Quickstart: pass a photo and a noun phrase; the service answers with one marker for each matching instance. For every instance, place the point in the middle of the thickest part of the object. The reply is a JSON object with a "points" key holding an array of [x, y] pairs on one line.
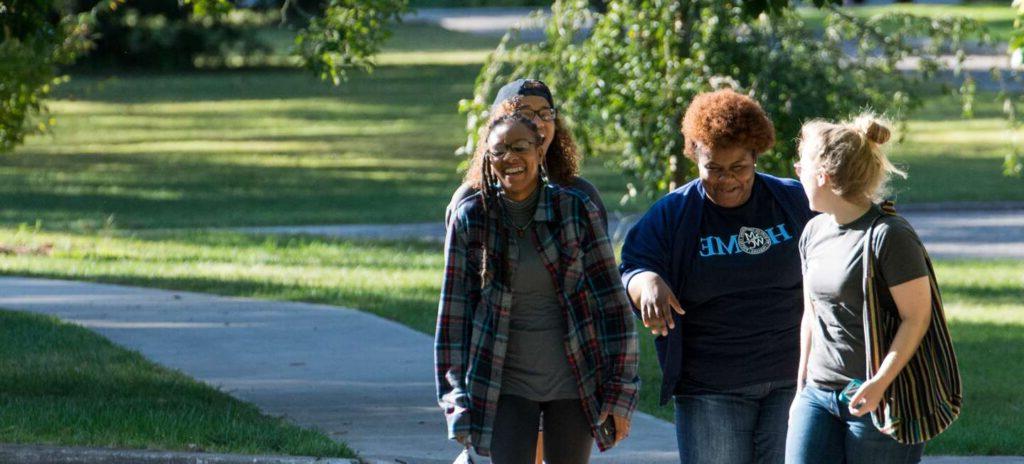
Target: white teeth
{"points": [[514, 171]]}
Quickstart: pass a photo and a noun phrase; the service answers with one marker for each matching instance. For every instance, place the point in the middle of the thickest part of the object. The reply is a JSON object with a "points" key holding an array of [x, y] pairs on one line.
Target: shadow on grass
{"points": [[984, 295], [944, 176], [404, 86], [146, 192], [382, 152]]}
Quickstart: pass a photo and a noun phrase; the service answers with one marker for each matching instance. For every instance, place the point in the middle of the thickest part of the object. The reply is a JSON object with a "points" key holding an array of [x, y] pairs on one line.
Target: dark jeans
{"points": [[734, 426], [567, 437], [822, 430]]}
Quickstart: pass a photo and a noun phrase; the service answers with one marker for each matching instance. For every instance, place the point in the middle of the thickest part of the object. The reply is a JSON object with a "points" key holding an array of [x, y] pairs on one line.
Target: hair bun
{"points": [[877, 133], [874, 129]]}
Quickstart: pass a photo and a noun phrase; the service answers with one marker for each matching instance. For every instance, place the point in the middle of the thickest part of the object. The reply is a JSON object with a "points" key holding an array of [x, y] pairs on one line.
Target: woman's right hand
{"points": [[657, 303], [462, 438]]}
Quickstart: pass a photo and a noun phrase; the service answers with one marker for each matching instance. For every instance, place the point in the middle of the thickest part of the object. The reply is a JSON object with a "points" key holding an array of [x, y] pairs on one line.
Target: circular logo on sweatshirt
{"points": [[753, 241]]}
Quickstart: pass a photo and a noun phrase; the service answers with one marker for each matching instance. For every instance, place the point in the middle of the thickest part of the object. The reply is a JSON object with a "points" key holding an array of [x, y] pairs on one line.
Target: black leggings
{"points": [[567, 437]]}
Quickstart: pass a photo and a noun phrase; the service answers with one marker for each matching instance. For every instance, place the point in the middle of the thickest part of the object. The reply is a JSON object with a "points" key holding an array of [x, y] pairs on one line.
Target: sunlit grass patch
{"points": [[65, 385]]}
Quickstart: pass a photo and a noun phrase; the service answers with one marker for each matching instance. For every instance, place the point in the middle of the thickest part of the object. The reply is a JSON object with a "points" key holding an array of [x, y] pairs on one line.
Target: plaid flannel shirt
{"points": [[473, 322]]}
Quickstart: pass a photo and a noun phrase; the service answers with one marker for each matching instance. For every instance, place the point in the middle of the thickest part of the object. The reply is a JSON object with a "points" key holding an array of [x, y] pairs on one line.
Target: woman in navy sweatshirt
{"points": [[714, 271]]}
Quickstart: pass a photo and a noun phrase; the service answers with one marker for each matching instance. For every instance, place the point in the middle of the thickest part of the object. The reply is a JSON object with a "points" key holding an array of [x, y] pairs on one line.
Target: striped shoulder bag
{"points": [[926, 396]]}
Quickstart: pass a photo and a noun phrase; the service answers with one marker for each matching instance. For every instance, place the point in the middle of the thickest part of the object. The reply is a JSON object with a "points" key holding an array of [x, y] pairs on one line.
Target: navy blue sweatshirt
{"points": [[736, 272]]}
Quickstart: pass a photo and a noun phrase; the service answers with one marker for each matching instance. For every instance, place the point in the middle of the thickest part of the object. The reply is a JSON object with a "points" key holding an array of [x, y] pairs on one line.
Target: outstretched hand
{"points": [[657, 302]]}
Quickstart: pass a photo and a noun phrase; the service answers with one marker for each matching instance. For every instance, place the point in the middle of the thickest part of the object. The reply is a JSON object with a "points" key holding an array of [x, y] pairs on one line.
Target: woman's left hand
{"points": [[867, 398]]}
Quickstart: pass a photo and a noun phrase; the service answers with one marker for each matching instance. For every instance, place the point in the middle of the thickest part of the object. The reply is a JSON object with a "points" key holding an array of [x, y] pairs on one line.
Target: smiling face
{"points": [[727, 175], [536, 105], [518, 169]]}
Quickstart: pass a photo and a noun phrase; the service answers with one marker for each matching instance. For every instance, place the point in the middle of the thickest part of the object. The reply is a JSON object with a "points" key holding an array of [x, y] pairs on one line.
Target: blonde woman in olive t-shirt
{"points": [[842, 168]]}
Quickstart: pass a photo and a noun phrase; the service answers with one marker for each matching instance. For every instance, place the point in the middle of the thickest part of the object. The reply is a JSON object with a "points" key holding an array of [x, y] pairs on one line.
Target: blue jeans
{"points": [[822, 430], [735, 426]]}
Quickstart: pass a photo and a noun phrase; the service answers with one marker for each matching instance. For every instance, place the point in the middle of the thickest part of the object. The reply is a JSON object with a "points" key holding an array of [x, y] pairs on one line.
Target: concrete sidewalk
{"points": [[947, 232], [359, 378]]}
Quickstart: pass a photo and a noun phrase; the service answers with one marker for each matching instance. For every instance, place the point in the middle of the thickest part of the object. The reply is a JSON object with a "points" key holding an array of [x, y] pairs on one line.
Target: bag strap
{"points": [[873, 319], [870, 314], [918, 407]]}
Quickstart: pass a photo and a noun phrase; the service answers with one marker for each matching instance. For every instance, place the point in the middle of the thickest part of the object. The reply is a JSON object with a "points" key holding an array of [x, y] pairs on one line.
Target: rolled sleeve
{"points": [[646, 248]]}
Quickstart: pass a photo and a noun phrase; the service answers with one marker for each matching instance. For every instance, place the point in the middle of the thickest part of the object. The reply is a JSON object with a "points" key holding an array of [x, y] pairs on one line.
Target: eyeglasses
{"points": [[546, 114], [519, 149]]}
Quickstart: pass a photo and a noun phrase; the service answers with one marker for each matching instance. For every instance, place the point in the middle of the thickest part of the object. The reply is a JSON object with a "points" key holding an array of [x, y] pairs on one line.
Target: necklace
{"points": [[521, 231]]}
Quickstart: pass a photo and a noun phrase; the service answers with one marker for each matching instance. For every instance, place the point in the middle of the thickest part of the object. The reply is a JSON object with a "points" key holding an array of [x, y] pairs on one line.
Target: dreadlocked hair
{"points": [[490, 186], [562, 160]]}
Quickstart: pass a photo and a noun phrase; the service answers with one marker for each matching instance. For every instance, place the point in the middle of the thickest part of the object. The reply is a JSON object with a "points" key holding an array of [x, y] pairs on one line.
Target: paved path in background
{"points": [[948, 233], [357, 377], [496, 21]]}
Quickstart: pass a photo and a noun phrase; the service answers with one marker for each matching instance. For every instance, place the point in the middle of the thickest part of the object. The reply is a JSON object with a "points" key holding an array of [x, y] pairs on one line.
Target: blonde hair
{"points": [[851, 154]]}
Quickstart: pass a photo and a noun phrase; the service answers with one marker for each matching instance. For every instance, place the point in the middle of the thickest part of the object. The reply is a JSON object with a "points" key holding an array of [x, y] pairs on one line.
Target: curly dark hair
{"points": [[725, 119], [562, 160]]}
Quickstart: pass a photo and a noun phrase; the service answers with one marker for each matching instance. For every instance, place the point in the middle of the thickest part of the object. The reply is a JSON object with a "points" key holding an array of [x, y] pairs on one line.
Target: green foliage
{"points": [[39, 36], [627, 85], [160, 34], [475, 3], [348, 34], [37, 39], [1013, 165]]}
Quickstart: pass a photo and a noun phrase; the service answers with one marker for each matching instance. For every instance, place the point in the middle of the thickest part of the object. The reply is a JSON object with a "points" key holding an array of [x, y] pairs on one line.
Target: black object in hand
{"points": [[607, 430]]}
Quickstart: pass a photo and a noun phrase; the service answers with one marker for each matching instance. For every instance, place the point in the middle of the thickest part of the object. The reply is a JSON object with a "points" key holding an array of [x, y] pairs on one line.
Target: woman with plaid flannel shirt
{"points": [[533, 317]]}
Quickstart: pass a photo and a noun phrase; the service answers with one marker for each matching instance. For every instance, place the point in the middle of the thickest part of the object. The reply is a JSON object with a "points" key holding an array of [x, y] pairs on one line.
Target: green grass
{"points": [[996, 16], [133, 154], [65, 385], [401, 281], [264, 147]]}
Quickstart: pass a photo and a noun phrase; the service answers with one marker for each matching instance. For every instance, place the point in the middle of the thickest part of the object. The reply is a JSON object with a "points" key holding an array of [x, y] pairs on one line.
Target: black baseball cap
{"points": [[523, 87]]}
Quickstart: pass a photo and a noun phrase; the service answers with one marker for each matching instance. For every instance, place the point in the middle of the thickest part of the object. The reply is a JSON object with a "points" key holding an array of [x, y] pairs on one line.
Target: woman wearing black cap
{"points": [[532, 99]]}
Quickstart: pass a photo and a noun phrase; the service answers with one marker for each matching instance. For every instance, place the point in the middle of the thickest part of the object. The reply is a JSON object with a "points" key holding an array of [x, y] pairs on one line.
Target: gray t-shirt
{"points": [[833, 277], [536, 366]]}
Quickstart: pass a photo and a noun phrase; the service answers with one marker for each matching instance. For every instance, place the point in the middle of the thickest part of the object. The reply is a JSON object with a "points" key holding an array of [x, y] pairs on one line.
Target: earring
{"points": [[544, 175]]}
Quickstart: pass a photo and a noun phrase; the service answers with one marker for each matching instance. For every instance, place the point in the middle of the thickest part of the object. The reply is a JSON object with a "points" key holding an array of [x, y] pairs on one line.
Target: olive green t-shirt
{"points": [[833, 277]]}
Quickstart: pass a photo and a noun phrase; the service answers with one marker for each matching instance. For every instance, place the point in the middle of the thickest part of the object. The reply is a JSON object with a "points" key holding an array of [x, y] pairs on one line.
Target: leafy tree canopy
{"points": [[626, 85]]}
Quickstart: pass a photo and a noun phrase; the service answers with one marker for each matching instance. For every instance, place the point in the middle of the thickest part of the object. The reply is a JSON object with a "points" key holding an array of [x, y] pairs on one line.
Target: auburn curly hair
{"points": [[562, 160], [725, 119]]}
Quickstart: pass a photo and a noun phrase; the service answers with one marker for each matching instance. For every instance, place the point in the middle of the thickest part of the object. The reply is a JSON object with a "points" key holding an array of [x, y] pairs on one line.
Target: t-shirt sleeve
{"points": [[802, 245], [901, 256], [647, 247]]}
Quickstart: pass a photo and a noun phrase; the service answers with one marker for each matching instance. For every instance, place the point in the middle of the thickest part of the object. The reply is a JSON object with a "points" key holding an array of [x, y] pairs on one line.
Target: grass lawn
{"points": [[401, 281], [996, 16], [63, 384], [279, 147], [135, 155]]}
